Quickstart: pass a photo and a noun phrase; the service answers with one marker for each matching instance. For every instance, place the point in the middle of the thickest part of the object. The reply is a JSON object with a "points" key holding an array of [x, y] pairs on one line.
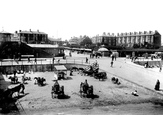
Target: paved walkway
{"points": [[137, 74]]}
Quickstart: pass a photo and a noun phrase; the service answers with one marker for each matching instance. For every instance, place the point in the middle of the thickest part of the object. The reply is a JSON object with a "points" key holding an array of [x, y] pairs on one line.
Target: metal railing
{"points": [[148, 59], [42, 61]]}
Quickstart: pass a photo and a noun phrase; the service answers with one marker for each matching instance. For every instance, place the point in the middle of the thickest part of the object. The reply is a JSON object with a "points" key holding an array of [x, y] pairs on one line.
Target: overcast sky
{"points": [[68, 18]]}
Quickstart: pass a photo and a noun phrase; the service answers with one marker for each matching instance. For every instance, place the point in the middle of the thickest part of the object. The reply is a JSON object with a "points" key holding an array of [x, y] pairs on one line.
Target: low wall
{"points": [[150, 63], [36, 68]]}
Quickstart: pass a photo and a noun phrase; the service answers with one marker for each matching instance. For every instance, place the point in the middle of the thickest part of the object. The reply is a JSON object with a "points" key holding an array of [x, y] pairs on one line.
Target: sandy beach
{"points": [[109, 96]]}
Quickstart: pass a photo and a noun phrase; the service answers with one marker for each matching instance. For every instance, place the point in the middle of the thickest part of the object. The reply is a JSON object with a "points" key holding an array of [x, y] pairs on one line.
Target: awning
{"points": [[103, 49], [88, 49], [60, 68]]}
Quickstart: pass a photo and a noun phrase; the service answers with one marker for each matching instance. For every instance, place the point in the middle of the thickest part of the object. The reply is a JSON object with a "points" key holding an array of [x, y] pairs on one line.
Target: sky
{"points": [[68, 18]]}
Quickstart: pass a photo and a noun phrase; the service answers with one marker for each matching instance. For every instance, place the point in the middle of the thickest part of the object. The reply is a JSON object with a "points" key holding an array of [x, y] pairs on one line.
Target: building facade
{"points": [[105, 39], [55, 41], [5, 36], [109, 39], [139, 39], [130, 40], [74, 41], [96, 39], [32, 37]]}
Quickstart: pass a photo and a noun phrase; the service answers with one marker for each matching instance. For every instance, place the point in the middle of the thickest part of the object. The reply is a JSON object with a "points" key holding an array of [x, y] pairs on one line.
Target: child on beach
{"points": [[111, 64]]}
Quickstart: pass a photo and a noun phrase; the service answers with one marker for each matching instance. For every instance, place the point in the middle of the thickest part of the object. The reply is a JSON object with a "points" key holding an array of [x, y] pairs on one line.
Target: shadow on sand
{"points": [[92, 96], [67, 78], [63, 97]]}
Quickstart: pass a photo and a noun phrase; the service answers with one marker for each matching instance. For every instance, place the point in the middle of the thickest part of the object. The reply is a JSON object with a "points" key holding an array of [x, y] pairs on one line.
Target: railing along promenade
{"points": [[41, 61]]}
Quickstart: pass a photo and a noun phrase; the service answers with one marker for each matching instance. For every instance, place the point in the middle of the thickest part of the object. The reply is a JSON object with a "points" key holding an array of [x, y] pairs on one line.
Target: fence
{"points": [[41, 62]]}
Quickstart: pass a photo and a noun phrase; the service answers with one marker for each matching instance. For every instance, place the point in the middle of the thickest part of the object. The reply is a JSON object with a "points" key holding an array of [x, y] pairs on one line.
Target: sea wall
{"points": [[36, 68]]}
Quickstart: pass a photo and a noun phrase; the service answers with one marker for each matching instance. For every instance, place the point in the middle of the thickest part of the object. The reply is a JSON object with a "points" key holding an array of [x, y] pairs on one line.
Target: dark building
{"points": [[108, 40], [34, 43]]}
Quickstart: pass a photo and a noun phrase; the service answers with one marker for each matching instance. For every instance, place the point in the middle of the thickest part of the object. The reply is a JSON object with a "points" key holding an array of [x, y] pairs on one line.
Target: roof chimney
{"points": [[156, 31], [104, 34]]}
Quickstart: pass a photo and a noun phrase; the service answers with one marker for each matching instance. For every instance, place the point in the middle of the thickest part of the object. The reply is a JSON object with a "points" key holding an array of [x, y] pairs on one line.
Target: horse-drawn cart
{"points": [[86, 90], [57, 90]]}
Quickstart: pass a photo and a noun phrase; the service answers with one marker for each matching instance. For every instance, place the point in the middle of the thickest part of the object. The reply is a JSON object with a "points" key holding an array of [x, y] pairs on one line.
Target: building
{"points": [[74, 41], [40, 41], [55, 41], [5, 36], [139, 39], [32, 37], [34, 43], [105, 39], [109, 40], [96, 39]]}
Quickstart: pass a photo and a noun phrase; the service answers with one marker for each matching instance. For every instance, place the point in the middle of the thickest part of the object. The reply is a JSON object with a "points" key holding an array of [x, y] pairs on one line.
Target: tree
{"points": [[86, 41]]}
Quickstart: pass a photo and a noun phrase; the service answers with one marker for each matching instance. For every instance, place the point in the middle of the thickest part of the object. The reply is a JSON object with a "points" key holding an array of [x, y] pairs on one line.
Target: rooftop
{"points": [[43, 46], [4, 32], [31, 32]]}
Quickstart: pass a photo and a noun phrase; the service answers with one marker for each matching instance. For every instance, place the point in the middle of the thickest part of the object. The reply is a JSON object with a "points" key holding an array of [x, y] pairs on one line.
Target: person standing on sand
{"points": [[71, 71], [160, 69], [111, 64], [157, 86]]}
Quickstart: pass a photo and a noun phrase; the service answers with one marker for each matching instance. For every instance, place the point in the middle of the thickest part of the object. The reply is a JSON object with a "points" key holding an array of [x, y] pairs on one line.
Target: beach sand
{"points": [[109, 96]]}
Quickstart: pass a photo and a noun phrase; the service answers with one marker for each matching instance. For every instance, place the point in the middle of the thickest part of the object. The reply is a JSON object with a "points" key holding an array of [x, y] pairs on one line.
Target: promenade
{"points": [[124, 68]]}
